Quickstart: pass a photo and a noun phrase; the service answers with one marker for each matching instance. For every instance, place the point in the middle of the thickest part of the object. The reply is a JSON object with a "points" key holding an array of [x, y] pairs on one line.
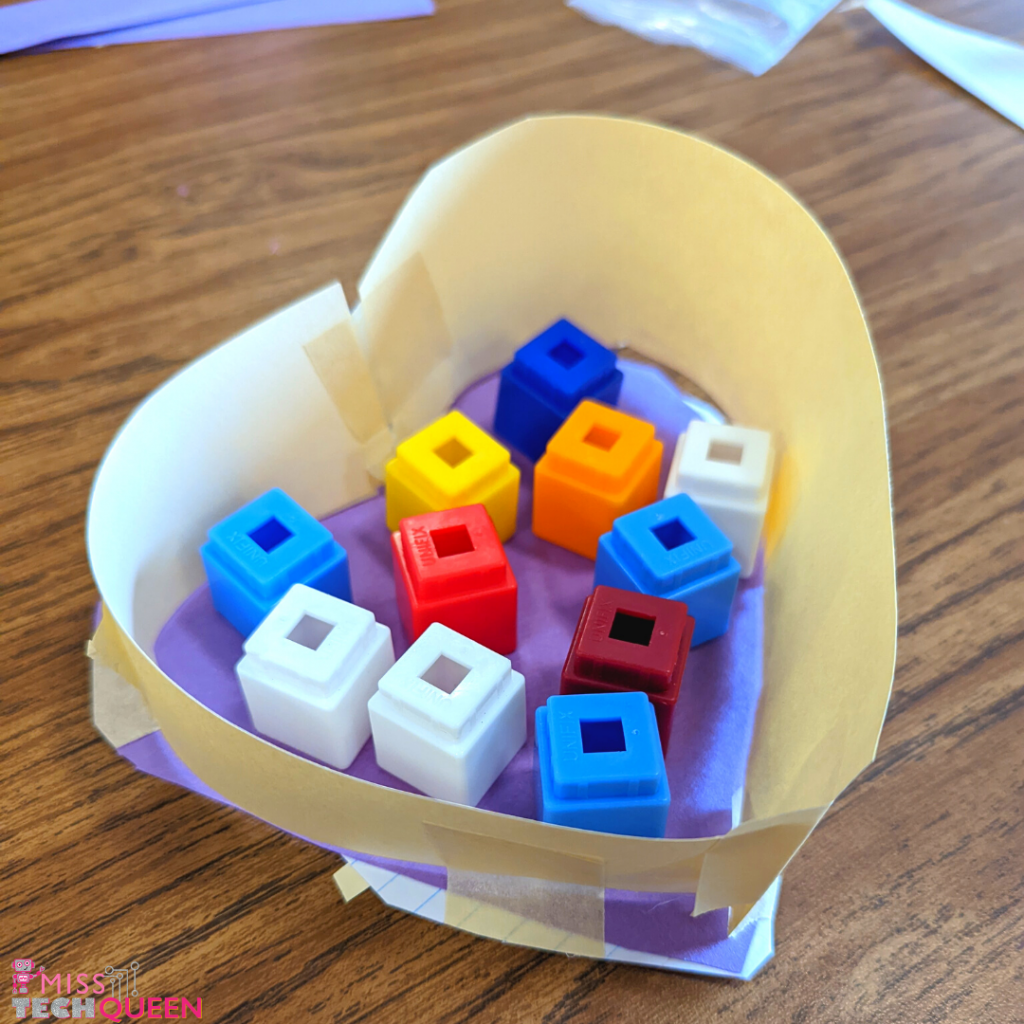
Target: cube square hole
{"points": [[445, 674], [633, 629], [272, 534], [451, 540], [601, 437], [602, 736], [723, 451], [453, 452], [310, 632], [566, 355], [672, 534]]}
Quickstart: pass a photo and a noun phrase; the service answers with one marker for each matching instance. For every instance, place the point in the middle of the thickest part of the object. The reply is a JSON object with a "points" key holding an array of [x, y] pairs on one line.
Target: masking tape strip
{"points": [[432, 904], [432, 399], [558, 906], [491, 922], [742, 865], [349, 882], [119, 710], [469, 851], [339, 363], [380, 393], [407, 346]]}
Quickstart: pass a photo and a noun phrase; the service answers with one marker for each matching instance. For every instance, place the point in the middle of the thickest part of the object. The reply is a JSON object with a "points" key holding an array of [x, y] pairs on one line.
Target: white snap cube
{"points": [[309, 671], [449, 716], [727, 471]]}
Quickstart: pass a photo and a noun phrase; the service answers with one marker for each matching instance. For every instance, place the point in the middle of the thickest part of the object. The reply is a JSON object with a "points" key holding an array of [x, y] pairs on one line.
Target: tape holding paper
{"points": [[415, 381], [383, 395], [586, 218], [339, 363], [119, 711], [527, 911], [349, 882]]}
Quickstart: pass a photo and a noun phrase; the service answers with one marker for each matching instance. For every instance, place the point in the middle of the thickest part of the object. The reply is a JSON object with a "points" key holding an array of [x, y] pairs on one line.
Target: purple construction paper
{"points": [[42, 21], [268, 16], [714, 720], [663, 923]]}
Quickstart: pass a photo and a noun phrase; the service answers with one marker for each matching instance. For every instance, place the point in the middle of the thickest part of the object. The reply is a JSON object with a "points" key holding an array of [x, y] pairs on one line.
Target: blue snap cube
{"points": [[672, 549], [546, 380], [600, 765], [255, 556]]}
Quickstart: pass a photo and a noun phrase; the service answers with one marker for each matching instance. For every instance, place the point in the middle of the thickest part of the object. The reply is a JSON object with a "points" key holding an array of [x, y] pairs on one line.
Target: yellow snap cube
{"points": [[449, 464]]}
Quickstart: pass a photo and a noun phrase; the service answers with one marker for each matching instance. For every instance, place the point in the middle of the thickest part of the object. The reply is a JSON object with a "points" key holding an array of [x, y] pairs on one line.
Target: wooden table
{"points": [[156, 199]]}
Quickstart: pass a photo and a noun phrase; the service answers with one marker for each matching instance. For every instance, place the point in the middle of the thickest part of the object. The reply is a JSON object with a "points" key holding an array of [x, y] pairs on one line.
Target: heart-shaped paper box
{"points": [[643, 235]]}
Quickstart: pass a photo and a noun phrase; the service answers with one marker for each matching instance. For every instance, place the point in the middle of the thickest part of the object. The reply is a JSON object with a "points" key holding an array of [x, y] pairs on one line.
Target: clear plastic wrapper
{"points": [[751, 34]]}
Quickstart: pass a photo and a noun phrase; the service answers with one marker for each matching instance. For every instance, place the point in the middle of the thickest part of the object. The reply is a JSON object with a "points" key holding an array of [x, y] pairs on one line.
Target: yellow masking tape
{"points": [[571, 909], [491, 922], [342, 368], [741, 866], [407, 347], [349, 882], [471, 851]]}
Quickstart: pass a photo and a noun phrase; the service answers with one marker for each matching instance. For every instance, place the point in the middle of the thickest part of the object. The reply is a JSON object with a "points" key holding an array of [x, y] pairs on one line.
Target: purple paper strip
{"points": [[268, 16], [713, 725], [42, 21]]}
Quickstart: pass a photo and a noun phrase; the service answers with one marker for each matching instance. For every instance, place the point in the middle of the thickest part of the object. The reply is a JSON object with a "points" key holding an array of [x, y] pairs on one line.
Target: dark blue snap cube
{"points": [[600, 765], [256, 555], [672, 549], [546, 380]]}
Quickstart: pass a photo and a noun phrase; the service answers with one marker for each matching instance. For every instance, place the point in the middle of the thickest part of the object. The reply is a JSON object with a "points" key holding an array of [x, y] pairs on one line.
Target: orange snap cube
{"points": [[599, 465]]}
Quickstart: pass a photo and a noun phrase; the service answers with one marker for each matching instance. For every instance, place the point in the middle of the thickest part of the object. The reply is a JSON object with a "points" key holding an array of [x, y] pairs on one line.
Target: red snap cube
{"points": [[629, 641], [450, 567]]}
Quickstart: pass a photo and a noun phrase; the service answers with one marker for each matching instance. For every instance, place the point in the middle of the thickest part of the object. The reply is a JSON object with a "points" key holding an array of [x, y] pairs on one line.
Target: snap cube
{"points": [[309, 670], [599, 465], [727, 470], [600, 765], [546, 380], [450, 567], [450, 463], [628, 641], [255, 555], [448, 716], [672, 549]]}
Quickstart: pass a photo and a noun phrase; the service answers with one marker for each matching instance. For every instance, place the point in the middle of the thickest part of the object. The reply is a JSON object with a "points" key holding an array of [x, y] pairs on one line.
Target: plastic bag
{"points": [[751, 34]]}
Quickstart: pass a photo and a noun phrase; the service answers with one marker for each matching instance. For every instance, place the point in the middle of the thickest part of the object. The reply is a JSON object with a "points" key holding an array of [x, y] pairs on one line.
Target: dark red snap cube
{"points": [[450, 567], [629, 641]]}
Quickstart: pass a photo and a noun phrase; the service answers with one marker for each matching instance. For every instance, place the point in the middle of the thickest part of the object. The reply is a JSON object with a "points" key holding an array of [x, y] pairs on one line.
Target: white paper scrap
{"points": [[987, 66]]}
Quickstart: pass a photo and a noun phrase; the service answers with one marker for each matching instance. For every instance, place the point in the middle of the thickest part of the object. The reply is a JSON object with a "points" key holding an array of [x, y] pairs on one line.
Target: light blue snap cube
{"points": [[600, 765], [256, 555], [672, 549], [546, 380]]}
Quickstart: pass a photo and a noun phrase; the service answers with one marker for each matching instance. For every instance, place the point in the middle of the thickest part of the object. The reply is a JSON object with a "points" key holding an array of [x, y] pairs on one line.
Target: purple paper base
{"points": [[713, 723], [35, 22], [270, 16]]}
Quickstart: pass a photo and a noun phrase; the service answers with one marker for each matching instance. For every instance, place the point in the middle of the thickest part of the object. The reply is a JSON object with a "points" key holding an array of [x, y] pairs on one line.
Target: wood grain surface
{"points": [[158, 198]]}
